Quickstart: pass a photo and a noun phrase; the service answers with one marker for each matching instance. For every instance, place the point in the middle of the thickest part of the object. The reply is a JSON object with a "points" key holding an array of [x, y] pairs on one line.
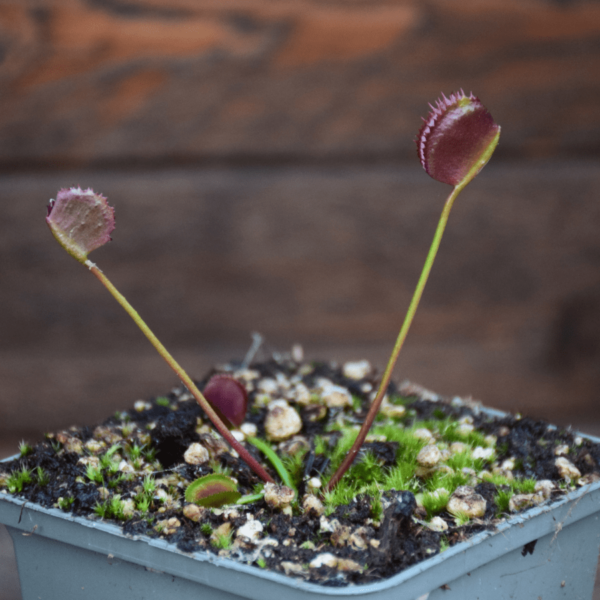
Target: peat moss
{"points": [[131, 470]]}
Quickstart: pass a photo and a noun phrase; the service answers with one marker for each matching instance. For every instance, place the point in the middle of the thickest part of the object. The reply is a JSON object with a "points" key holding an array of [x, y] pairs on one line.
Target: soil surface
{"points": [[131, 469]]}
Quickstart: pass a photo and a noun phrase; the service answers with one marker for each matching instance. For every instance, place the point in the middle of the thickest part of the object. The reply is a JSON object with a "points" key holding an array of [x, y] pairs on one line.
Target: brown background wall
{"points": [[260, 156]]}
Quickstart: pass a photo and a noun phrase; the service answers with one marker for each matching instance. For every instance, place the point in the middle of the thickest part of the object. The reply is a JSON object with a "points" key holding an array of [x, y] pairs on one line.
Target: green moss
{"points": [[127, 430], [320, 444], [464, 460], [438, 413], [401, 477], [114, 482], [502, 449], [523, 486], [24, 449], [162, 401], [294, 465], [133, 451], [341, 494], [345, 494], [102, 510], [143, 504], [220, 468], [149, 453], [343, 446], [409, 445], [17, 480], [43, 478], [461, 519], [108, 462], [111, 509], [222, 541], [94, 473], [376, 508], [502, 499], [366, 469], [375, 478], [65, 503], [435, 502], [149, 485], [400, 400]]}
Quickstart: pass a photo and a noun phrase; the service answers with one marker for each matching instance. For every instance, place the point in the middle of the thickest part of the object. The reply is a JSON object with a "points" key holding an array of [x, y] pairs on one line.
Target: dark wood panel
{"points": [[88, 81], [303, 253]]}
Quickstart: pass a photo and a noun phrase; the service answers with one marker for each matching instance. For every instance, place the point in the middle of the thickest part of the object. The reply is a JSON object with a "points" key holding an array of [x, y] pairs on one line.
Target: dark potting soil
{"points": [[99, 472]]}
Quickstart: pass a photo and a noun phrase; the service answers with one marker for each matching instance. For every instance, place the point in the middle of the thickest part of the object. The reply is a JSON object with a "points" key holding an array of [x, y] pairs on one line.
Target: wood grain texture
{"points": [[112, 81]]}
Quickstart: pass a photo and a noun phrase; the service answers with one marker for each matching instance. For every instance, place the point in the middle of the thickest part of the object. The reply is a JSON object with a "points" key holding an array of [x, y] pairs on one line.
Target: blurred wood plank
{"points": [[107, 81], [303, 253]]}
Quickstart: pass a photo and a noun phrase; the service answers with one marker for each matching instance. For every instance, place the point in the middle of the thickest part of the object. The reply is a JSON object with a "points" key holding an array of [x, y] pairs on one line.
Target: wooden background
{"points": [[261, 159], [260, 156]]}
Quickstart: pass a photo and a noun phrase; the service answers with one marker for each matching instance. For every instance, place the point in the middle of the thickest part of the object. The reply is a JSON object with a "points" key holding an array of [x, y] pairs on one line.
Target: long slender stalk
{"points": [[185, 378], [408, 319]]}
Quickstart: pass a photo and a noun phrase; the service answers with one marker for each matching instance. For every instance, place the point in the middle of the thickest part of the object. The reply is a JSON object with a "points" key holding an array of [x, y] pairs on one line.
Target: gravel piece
{"points": [[437, 524], [567, 469], [429, 456], [196, 454], [465, 500], [520, 501], [250, 532], [278, 496], [311, 503], [336, 396], [282, 421], [356, 370]]}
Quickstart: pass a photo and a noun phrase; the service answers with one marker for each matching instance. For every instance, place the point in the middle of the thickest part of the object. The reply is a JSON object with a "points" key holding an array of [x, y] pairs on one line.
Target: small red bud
{"points": [[228, 397], [457, 138]]}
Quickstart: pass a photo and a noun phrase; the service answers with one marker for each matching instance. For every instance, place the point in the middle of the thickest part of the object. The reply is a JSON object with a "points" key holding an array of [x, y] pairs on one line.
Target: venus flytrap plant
{"points": [[82, 221], [455, 142]]}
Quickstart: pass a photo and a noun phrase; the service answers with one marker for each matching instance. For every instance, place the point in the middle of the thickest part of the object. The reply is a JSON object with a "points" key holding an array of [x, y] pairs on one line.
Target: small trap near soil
{"points": [[433, 472]]}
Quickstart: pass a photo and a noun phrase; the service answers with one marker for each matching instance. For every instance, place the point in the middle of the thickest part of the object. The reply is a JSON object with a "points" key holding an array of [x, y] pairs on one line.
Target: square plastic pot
{"points": [[548, 552]]}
